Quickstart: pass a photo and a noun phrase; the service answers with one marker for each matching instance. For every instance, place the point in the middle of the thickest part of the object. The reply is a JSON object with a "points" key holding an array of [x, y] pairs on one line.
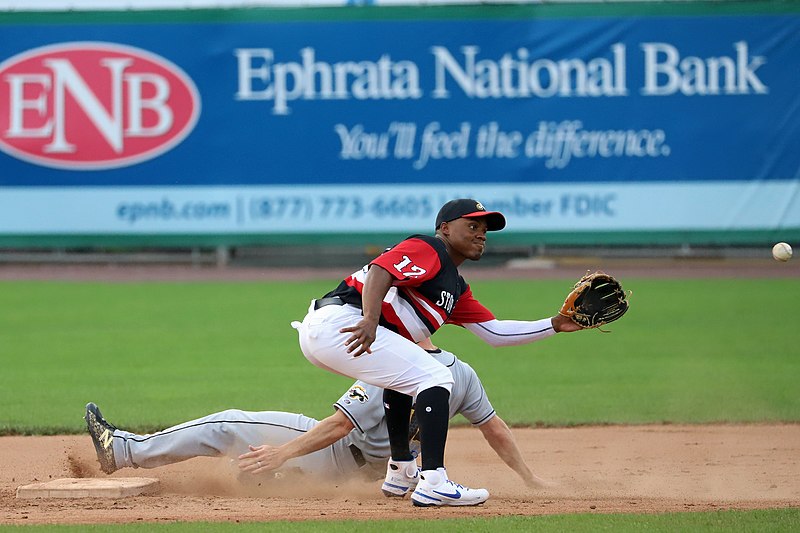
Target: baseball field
{"points": [[685, 416]]}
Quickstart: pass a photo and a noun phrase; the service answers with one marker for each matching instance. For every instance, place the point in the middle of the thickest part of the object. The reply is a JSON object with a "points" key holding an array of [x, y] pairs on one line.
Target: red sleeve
{"points": [[411, 262], [468, 310]]}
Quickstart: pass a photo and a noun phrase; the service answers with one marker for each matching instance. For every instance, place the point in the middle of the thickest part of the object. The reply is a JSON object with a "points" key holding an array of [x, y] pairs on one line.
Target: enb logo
{"points": [[93, 106]]}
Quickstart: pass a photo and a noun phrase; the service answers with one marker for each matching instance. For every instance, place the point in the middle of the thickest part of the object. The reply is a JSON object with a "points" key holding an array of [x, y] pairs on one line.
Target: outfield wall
{"points": [[586, 124]]}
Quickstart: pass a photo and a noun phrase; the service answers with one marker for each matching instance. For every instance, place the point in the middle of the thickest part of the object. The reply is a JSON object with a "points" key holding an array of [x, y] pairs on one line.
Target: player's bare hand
{"points": [[261, 459], [564, 324], [363, 335]]}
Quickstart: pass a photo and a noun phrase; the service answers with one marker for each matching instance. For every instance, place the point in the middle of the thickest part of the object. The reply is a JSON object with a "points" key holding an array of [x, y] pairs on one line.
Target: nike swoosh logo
{"points": [[456, 495]]}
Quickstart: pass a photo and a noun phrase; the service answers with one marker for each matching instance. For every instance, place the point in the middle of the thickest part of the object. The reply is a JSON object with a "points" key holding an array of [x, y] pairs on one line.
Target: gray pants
{"points": [[229, 433]]}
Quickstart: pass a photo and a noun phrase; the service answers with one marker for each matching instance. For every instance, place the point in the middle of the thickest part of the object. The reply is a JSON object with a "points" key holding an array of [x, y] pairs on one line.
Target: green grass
{"points": [[755, 521], [154, 354]]}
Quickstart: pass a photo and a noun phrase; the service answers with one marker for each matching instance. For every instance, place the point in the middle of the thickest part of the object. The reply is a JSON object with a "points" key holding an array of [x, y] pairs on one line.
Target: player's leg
{"points": [[397, 408], [405, 367], [400, 365], [224, 433], [227, 433], [402, 473], [434, 487]]}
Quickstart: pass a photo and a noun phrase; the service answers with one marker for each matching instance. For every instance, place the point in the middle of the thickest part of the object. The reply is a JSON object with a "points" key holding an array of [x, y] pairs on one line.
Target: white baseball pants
{"points": [[395, 362]]}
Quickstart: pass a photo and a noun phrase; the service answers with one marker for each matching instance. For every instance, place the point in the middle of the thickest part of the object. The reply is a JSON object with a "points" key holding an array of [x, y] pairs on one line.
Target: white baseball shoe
{"points": [[434, 489], [401, 477]]}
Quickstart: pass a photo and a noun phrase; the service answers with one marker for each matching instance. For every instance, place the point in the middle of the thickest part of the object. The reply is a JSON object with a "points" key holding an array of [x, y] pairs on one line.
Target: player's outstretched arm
{"points": [[515, 332], [499, 436], [265, 457]]}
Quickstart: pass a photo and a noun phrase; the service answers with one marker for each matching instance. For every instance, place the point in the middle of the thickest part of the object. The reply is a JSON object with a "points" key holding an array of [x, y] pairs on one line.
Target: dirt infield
{"points": [[596, 470], [609, 469]]}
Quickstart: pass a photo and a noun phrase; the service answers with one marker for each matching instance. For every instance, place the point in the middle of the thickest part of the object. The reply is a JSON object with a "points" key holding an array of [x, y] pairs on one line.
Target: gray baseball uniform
{"points": [[367, 445]]}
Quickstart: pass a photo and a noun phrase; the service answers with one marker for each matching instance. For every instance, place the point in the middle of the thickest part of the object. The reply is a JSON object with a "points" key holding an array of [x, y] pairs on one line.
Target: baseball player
{"points": [[369, 326], [351, 441]]}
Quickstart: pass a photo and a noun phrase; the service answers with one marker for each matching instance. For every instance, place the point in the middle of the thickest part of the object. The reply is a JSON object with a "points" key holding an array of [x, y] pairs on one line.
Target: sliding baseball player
{"points": [[352, 441]]}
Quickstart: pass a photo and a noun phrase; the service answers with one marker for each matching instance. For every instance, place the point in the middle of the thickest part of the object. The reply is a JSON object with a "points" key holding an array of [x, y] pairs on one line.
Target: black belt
{"points": [[358, 456], [330, 300]]}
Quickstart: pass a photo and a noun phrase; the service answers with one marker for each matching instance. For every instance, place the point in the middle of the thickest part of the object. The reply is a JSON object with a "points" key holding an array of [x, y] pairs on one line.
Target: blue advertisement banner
{"points": [[683, 101]]}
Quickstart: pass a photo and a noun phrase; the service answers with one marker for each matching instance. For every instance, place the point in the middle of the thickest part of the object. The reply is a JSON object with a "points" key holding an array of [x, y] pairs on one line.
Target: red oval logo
{"points": [[93, 106]]}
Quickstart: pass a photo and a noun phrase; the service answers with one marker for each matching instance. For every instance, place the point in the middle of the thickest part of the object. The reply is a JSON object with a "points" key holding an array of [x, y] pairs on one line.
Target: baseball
{"points": [[782, 252]]}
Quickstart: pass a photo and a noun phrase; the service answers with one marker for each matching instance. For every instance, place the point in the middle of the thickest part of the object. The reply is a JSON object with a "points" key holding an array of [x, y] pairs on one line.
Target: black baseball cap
{"points": [[469, 208]]}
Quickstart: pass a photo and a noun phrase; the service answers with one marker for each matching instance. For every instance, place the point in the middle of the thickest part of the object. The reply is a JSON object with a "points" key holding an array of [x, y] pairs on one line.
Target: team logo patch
{"points": [[358, 393], [479, 206], [93, 106]]}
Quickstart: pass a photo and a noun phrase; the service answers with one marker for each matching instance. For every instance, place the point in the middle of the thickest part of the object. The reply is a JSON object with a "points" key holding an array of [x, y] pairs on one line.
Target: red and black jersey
{"points": [[427, 291]]}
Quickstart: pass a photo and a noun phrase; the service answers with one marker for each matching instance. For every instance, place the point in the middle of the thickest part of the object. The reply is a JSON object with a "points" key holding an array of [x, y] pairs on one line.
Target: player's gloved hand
{"points": [[597, 299], [363, 335], [261, 459]]}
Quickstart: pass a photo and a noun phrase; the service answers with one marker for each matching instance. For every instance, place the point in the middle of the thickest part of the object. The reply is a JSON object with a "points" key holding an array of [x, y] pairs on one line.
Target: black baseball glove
{"points": [[597, 299]]}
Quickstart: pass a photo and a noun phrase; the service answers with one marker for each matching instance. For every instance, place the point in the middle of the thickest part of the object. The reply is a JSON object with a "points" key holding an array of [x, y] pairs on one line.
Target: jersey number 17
{"points": [[409, 269]]}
